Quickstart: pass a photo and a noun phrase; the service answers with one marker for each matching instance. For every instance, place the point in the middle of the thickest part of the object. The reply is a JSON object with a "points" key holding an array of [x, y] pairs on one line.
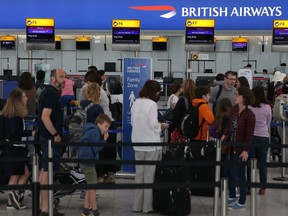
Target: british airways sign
{"points": [[154, 15]]}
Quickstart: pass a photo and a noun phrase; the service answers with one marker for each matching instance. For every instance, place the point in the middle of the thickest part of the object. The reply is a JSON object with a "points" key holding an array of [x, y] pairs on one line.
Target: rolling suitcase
{"points": [[203, 151], [171, 201]]}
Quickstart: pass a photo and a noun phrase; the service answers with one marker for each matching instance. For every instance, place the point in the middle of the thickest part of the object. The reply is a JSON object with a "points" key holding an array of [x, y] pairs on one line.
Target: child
{"points": [[92, 133], [206, 116]]}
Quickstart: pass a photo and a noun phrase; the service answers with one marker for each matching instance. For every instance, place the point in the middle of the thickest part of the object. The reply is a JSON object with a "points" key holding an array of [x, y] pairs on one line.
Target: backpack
{"points": [[280, 109], [190, 122], [116, 110], [76, 123]]}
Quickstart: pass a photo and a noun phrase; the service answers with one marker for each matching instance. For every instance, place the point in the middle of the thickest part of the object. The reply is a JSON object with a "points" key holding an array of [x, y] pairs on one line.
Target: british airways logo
{"points": [[172, 11]]}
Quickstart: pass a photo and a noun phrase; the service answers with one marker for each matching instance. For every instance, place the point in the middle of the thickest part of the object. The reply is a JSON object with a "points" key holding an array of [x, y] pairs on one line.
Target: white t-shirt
{"points": [[173, 99], [145, 125]]}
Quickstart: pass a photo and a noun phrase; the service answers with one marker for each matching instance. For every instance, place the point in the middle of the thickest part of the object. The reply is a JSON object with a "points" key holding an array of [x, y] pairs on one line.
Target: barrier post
{"points": [[224, 196], [217, 178], [35, 186], [50, 177], [253, 189]]}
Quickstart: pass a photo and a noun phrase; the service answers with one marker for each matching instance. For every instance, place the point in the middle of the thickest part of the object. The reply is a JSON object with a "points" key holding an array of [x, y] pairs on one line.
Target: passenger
{"points": [[92, 93], [265, 72], [182, 105], [262, 112], [275, 87], [106, 171], [239, 131], [206, 116], [96, 132], [146, 128], [14, 112], [90, 76], [176, 89], [40, 76], [26, 84], [228, 90], [219, 80], [220, 124], [67, 93], [242, 82], [50, 124]]}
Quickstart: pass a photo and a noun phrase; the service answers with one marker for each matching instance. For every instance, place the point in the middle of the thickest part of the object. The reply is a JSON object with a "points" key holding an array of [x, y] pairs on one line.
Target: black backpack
{"points": [[116, 110], [190, 122]]}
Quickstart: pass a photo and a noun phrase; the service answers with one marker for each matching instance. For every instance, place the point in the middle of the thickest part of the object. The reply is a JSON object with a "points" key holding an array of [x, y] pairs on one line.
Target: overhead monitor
{"points": [[40, 33], [83, 43], [159, 44], [126, 35], [239, 44], [7, 42], [57, 43], [199, 35], [280, 36]]}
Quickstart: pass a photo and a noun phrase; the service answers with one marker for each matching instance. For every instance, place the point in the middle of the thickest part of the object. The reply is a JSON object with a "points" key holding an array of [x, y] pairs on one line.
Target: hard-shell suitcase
{"points": [[171, 201], [202, 151]]}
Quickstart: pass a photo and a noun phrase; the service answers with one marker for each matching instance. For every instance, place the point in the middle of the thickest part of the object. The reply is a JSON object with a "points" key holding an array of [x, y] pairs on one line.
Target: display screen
{"points": [[198, 35], [126, 35], [83, 45], [58, 45], [159, 46], [280, 36], [40, 34], [7, 45], [239, 44]]}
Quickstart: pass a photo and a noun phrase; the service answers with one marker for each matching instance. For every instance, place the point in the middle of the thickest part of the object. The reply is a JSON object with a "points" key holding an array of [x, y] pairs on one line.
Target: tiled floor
{"points": [[119, 202]]}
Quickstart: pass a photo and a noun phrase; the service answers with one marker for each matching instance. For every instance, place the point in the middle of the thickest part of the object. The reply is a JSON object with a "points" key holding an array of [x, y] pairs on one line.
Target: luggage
{"points": [[171, 201], [204, 152]]}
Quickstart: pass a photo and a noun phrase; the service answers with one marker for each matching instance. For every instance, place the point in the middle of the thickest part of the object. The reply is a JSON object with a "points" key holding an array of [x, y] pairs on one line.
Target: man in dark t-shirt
{"points": [[50, 128]]}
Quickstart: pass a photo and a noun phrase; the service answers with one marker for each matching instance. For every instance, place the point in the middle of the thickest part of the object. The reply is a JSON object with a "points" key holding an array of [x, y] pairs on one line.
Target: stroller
{"points": [[71, 176]]}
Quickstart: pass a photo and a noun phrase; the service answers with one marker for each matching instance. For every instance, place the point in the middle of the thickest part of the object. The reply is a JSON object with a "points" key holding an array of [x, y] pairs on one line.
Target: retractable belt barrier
{"points": [[217, 184]]}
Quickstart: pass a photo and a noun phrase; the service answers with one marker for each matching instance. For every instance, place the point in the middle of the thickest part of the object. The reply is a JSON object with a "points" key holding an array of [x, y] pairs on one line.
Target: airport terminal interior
{"points": [[173, 44]]}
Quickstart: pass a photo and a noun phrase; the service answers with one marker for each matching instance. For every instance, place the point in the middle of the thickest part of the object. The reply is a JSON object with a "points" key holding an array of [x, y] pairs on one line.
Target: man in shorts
{"points": [[50, 122]]}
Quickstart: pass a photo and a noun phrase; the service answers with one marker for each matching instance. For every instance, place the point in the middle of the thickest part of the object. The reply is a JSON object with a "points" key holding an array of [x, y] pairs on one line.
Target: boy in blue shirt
{"points": [[96, 133]]}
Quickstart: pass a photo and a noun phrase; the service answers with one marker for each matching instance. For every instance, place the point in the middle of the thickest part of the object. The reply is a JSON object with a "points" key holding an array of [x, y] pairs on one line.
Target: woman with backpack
{"points": [[183, 104]]}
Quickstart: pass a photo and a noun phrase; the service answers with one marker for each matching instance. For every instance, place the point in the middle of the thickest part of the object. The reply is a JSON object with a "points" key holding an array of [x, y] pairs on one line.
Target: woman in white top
{"points": [[176, 89], [146, 128]]}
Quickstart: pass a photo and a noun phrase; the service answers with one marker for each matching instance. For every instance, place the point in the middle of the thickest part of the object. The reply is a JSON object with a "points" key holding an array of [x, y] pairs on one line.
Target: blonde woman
{"points": [[92, 94], [14, 112]]}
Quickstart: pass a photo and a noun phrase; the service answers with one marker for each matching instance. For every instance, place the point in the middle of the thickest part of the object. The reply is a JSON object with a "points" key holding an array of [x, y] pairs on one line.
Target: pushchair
{"points": [[71, 176]]}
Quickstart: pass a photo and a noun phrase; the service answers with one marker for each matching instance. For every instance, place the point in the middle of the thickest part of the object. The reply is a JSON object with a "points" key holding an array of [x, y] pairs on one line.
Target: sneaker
{"points": [[10, 206], [237, 206], [96, 213], [262, 191], [55, 213], [21, 196], [110, 179], [14, 200], [232, 201]]}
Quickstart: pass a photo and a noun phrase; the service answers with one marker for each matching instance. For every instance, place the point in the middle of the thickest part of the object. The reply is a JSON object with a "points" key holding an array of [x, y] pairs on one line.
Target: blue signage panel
{"points": [[136, 72], [154, 15]]}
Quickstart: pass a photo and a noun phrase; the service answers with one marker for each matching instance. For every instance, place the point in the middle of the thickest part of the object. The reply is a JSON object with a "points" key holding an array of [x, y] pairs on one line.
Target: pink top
{"points": [[68, 89]]}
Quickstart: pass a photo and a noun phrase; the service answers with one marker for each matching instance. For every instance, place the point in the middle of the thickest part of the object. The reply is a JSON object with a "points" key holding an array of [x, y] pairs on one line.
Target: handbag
{"points": [[169, 116]]}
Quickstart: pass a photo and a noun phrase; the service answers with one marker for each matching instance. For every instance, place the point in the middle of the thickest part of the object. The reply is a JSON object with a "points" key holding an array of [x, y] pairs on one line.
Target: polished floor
{"points": [[119, 202]]}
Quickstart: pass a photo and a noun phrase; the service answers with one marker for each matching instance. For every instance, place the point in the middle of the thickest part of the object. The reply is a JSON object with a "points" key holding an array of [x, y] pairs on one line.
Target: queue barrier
{"points": [[217, 184]]}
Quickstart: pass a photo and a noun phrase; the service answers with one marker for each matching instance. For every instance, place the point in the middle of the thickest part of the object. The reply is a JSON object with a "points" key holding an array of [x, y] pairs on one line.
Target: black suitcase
{"points": [[171, 201], [205, 151]]}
